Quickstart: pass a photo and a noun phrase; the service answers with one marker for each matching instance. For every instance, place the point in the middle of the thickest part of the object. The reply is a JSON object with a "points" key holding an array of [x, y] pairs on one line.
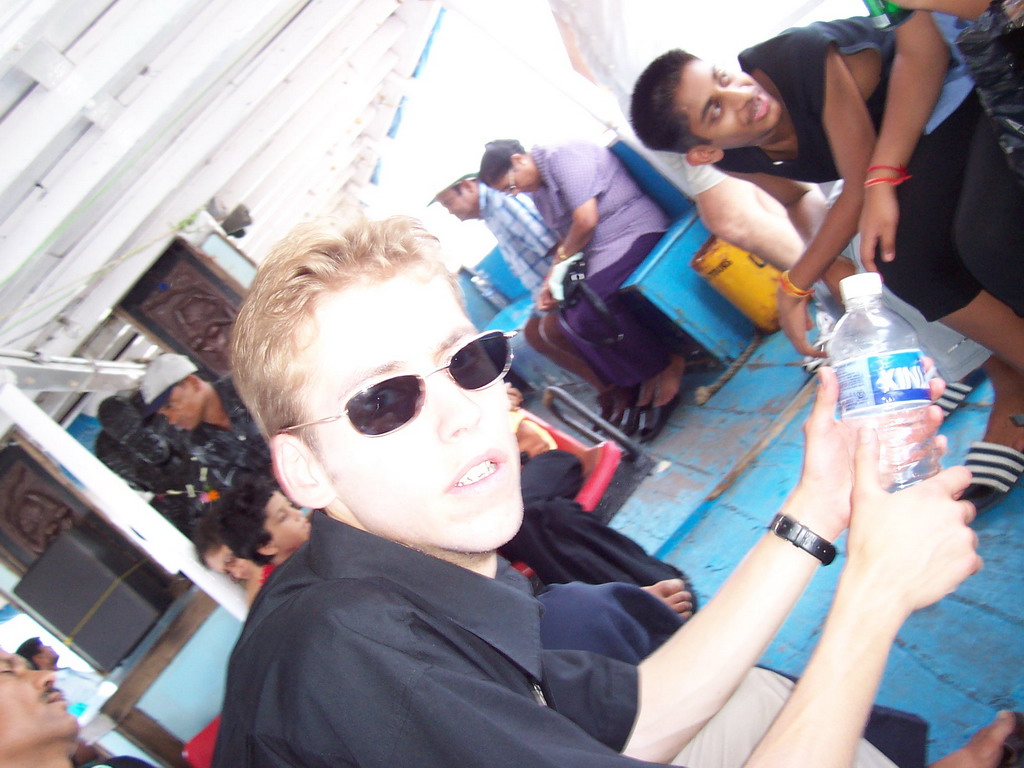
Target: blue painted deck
{"points": [[955, 663]]}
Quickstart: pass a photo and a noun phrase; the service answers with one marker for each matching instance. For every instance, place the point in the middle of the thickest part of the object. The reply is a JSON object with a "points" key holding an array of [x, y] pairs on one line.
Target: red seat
{"points": [[603, 459], [608, 454], [198, 750]]}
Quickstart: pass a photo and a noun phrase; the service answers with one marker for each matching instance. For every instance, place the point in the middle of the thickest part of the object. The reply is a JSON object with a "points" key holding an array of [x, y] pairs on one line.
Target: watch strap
{"points": [[803, 538]]}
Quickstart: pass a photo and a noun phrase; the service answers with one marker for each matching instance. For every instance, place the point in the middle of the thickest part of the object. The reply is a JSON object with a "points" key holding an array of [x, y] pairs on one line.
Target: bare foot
{"points": [[1008, 388], [660, 389], [672, 592], [985, 749]]}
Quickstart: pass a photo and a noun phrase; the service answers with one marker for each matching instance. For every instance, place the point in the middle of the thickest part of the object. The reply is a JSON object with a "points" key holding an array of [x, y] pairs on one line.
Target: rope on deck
{"points": [[703, 394]]}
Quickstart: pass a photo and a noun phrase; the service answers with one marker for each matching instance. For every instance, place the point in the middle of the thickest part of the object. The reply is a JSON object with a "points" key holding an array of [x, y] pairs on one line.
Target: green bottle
{"points": [[886, 15]]}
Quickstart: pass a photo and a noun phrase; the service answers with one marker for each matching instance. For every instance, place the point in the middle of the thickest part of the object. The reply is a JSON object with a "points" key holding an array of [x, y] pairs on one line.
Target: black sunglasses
{"points": [[389, 405]]}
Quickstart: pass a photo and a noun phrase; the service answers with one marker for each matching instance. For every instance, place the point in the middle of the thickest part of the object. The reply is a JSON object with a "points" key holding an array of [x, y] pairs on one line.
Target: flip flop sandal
{"points": [[635, 414], [996, 469], [1013, 747], [612, 404], [656, 419], [953, 397]]}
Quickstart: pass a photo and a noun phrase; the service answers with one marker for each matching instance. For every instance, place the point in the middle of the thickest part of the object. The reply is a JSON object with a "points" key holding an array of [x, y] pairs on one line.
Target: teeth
{"points": [[477, 473]]}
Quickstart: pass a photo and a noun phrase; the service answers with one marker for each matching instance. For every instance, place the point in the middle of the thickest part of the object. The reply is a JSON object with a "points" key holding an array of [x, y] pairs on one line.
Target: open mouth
{"points": [[758, 108], [477, 473]]}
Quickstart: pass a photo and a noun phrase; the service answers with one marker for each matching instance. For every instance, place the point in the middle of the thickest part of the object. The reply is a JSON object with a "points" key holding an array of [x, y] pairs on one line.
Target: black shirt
{"points": [[795, 62], [360, 651], [225, 452]]}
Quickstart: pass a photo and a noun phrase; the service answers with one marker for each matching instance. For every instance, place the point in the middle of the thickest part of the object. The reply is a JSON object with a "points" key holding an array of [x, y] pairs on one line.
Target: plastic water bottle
{"points": [[882, 382]]}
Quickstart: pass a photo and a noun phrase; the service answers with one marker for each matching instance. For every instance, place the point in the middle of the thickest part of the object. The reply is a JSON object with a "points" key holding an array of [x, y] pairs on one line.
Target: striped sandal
{"points": [[996, 468], [956, 392]]}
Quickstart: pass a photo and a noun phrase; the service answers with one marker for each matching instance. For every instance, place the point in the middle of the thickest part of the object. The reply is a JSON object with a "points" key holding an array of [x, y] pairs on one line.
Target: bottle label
{"points": [[873, 380]]}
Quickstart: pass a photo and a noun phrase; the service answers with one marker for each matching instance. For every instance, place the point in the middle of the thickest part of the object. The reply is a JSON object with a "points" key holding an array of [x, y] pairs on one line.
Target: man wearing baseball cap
{"points": [[221, 433], [162, 378]]}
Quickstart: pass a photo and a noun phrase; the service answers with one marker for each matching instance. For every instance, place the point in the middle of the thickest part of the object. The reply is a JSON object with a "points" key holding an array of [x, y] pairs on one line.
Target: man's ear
{"points": [[299, 472], [703, 154], [517, 159]]}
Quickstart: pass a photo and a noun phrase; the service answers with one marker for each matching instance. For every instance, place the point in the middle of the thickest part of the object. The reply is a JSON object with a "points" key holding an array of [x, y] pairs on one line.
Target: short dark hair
{"points": [[29, 649], [497, 159], [243, 516], [652, 110], [206, 536]]}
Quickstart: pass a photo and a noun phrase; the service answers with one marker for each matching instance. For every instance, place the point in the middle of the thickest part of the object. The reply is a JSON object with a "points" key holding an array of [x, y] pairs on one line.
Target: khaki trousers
{"points": [[728, 739]]}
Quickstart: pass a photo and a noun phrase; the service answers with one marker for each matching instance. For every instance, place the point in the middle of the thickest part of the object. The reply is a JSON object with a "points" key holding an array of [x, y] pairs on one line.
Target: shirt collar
{"points": [[500, 611], [489, 199], [540, 159]]}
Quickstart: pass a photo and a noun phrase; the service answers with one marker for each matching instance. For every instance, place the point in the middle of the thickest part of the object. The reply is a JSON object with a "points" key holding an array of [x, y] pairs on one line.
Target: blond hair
{"points": [[276, 323]]}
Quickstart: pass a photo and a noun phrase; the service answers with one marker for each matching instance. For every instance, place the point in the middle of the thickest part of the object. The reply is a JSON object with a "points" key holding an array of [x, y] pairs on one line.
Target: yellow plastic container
{"points": [[744, 279]]}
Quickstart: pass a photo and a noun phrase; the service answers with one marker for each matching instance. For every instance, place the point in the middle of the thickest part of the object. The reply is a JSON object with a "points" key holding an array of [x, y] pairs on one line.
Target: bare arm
{"points": [[893, 552], [967, 9], [851, 137], [584, 222], [804, 203], [749, 217], [806, 207], [688, 679], [918, 70], [927, 551]]}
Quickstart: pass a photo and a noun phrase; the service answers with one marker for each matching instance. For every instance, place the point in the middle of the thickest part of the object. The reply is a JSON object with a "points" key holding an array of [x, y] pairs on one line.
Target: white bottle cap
{"points": [[860, 285]]}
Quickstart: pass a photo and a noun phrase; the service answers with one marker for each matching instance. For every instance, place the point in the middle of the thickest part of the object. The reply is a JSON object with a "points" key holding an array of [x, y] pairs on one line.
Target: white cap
{"points": [[859, 285], [161, 376]]}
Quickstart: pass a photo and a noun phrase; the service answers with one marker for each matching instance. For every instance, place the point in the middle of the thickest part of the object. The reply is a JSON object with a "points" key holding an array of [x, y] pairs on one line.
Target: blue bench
{"points": [[665, 290]]}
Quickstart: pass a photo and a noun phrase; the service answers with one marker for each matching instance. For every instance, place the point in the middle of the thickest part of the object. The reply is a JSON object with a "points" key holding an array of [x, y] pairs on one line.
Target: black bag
{"points": [[575, 290], [993, 50]]}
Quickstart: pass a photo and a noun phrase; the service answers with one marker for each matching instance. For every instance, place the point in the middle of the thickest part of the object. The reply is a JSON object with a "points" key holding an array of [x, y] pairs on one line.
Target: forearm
{"points": [[691, 676], [918, 72], [967, 9], [824, 718], [836, 230], [581, 230]]}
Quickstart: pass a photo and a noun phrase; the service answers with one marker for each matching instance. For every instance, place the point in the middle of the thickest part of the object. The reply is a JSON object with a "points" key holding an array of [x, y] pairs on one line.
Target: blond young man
{"points": [[398, 637]]}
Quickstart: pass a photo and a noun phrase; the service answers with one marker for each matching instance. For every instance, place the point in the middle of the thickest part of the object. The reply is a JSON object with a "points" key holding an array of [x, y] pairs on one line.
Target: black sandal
{"points": [[1013, 747]]}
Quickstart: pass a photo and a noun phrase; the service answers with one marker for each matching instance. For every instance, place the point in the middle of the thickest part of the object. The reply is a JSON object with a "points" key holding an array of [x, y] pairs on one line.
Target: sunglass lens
{"points": [[481, 362], [386, 406]]}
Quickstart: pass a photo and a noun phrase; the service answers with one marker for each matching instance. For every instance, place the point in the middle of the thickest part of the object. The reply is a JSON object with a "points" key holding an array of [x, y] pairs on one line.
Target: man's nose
{"points": [[735, 96], [42, 679], [454, 408]]}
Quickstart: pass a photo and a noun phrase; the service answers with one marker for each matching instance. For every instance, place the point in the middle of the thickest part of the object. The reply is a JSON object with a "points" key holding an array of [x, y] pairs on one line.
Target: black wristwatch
{"points": [[789, 529]]}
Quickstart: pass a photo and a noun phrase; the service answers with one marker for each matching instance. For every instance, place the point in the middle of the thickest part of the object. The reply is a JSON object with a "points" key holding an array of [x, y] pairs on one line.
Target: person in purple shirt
{"points": [[585, 194]]}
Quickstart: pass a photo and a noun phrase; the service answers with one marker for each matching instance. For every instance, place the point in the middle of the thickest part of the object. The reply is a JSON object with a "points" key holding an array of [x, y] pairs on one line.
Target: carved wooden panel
{"points": [[187, 304], [34, 509]]}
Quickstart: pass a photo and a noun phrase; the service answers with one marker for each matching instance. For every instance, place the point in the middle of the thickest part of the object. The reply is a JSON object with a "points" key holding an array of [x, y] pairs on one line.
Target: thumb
{"points": [[865, 462]]}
